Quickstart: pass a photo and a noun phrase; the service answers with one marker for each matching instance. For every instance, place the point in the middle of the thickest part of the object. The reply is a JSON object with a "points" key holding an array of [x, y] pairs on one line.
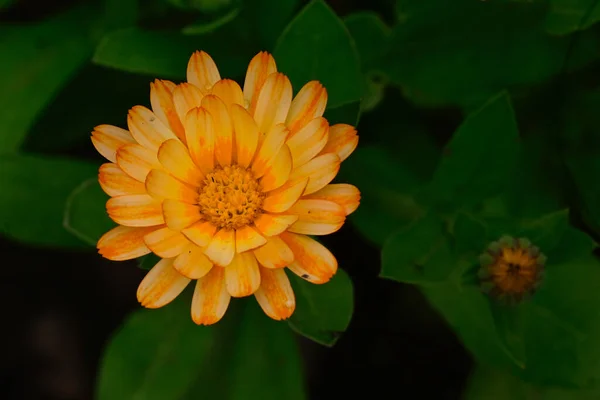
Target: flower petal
{"points": [[279, 171], [308, 141], [200, 233], [223, 128], [242, 276], [274, 254], [174, 156], [347, 196], [317, 217], [273, 101], [192, 262], [115, 182], [211, 298], [200, 134], [179, 215], [260, 67], [246, 135], [162, 185], [147, 129], [309, 103], [319, 171], [135, 210], [274, 224], [281, 199], [268, 149], [161, 285], [221, 248], [275, 294], [161, 99], [107, 139], [137, 161], [342, 141], [124, 243], [229, 92], [166, 243], [185, 97], [202, 71], [247, 238], [313, 261]]}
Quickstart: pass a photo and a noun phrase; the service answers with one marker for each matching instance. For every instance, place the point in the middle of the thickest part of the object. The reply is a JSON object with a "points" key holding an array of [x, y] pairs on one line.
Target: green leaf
{"points": [[584, 171], [470, 235], [418, 253], [203, 27], [37, 60], [323, 312], [371, 36], [317, 45], [162, 354], [33, 194], [85, 212], [6, 3], [270, 18], [567, 16], [481, 155]]}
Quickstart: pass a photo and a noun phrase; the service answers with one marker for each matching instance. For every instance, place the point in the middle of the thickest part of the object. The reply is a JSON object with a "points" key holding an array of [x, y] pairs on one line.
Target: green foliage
{"points": [[83, 217]]}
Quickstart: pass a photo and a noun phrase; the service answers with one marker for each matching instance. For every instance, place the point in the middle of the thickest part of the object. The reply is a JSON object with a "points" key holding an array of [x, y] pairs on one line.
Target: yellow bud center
{"points": [[515, 271], [230, 197]]}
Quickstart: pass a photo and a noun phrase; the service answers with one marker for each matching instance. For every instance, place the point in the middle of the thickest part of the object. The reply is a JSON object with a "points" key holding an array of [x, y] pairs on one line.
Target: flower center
{"points": [[230, 197]]}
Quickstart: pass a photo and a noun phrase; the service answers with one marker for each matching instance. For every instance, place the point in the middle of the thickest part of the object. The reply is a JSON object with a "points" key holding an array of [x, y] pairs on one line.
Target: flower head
{"points": [[225, 185], [511, 269]]}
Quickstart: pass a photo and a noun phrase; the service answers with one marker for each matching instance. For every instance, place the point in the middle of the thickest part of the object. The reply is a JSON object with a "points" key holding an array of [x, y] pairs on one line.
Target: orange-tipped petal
{"points": [[124, 243], [200, 133], [107, 139], [317, 217], [309, 103], [162, 185], [202, 71], [279, 171], [347, 196], [242, 276], [200, 233], [274, 254], [313, 261], [280, 200], [247, 238], [179, 215], [221, 248], [115, 182], [260, 67], [135, 210], [211, 298], [161, 99], [273, 102], [161, 285], [192, 262], [275, 295], [320, 171], [229, 91], [342, 141], [274, 224], [175, 158], [186, 97], [308, 141], [223, 128], [147, 129], [137, 161], [268, 149], [166, 242], [246, 135]]}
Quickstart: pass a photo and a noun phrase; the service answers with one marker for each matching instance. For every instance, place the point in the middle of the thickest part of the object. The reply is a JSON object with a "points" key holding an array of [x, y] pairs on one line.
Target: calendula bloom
{"points": [[511, 269], [225, 185]]}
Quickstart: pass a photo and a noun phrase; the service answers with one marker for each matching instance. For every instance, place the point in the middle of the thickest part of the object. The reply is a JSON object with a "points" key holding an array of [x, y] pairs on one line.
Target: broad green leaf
{"points": [[33, 194], [481, 155], [166, 54], [162, 354], [371, 36], [567, 16], [207, 6], [323, 312], [584, 171], [203, 27], [470, 235], [418, 253], [120, 14], [270, 19], [317, 46], [85, 212], [37, 60]]}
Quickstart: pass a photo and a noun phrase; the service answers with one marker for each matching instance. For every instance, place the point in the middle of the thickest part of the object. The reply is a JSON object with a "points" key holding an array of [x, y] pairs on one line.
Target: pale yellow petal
{"points": [[347, 196], [221, 248], [317, 217], [211, 298], [192, 262], [309, 103], [137, 161], [246, 135], [107, 139], [268, 149], [175, 158], [135, 210], [124, 243], [313, 261], [308, 141], [166, 242], [200, 133], [223, 128], [247, 238], [200, 233], [275, 295], [115, 182], [273, 102], [320, 171], [161, 285], [147, 129], [342, 141], [242, 276], [229, 91], [162, 185], [279, 171], [179, 215], [260, 67], [161, 99], [281, 199], [274, 224], [202, 71], [185, 98], [274, 254]]}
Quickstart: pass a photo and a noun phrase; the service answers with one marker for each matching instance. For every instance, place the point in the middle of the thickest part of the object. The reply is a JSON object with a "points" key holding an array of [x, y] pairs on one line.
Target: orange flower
{"points": [[224, 185]]}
